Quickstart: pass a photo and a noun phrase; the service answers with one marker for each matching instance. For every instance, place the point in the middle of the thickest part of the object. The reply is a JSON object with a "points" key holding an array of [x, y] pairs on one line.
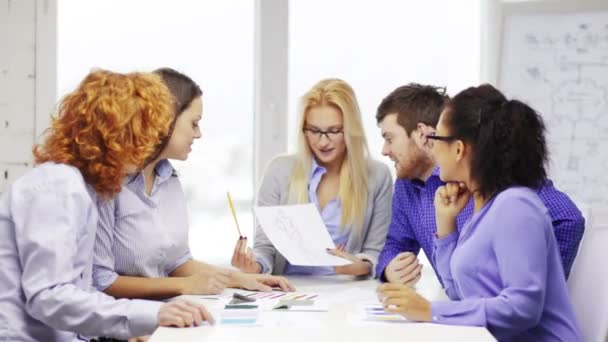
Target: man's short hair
{"points": [[414, 103]]}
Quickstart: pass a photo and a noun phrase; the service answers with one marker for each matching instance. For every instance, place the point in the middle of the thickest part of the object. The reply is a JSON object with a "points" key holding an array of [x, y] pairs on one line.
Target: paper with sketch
{"points": [[298, 232]]}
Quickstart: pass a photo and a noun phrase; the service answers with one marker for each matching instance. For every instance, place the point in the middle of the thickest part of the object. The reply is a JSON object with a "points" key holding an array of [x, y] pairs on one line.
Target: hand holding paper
{"points": [[298, 232], [359, 267]]}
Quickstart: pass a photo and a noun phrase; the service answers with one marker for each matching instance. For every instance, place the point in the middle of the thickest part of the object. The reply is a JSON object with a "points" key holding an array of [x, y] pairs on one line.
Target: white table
{"points": [[334, 325]]}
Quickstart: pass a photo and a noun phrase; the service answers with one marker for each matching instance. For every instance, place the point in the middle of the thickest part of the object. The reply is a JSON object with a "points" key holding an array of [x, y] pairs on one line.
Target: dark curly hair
{"points": [[413, 103], [507, 138]]}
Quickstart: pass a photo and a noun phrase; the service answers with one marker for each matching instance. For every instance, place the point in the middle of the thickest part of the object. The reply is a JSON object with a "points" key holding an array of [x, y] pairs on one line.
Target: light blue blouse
{"points": [[47, 229], [140, 235]]}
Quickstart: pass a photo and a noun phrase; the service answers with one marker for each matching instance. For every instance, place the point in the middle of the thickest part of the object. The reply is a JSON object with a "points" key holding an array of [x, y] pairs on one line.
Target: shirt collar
{"points": [[164, 170], [314, 178], [315, 168], [435, 171], [433, 178]]}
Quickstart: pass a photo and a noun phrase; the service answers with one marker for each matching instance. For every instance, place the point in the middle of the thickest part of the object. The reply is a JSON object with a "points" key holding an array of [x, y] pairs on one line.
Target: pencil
{"points": [[234, 214]]}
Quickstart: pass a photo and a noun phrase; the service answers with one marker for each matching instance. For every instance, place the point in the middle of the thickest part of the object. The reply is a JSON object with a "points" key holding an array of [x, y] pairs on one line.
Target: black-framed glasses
{"points": [[315, 133], [433, 136]]}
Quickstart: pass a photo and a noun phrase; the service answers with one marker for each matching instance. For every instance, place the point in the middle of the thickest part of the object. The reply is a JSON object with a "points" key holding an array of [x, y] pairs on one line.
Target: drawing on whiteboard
{"points": [[558, 63]]}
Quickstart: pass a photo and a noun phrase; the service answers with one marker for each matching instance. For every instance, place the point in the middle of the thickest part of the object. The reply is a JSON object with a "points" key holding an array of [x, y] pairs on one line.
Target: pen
{"points": [[234, 214], [242, 298]]}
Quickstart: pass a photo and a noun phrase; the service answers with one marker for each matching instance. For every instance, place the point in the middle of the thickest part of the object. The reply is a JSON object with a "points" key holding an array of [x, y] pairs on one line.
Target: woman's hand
{"points": [[261, 282], [403, 300], [211, 281], [450, 199], [182, 313], [359, 267], [243, 258]]}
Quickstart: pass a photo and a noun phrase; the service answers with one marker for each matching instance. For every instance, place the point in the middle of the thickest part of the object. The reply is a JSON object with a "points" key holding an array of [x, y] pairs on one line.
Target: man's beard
{"points": [[415, 164]]}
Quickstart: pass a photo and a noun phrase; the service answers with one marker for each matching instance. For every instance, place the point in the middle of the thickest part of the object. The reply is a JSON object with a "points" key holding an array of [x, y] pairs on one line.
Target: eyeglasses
{"points": [[315, 133], [432, 136]]}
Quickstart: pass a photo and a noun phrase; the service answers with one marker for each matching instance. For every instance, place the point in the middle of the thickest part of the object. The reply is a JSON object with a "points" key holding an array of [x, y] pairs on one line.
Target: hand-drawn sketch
{"points": [[558, 64], [298, 232], [285, 225]]}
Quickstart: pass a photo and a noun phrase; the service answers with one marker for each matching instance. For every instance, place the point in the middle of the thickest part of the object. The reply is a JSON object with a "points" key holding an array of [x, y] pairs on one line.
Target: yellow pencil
{"points": [[234, 214]]}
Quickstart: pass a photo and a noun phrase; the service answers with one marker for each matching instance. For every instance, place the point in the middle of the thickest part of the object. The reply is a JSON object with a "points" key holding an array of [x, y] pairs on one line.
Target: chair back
{"points": [[588, 281]]}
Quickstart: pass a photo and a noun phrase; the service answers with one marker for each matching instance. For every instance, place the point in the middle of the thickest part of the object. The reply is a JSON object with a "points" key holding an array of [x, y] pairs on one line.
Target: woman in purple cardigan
{"points": [[502, 270]]}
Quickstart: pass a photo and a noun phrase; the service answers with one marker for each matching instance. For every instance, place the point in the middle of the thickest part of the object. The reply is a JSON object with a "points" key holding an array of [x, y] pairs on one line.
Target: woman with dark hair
{"points": [[141, 250], [502, 270]]}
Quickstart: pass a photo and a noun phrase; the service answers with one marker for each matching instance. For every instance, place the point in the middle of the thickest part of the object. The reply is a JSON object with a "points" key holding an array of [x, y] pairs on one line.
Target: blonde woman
{"points": [[331, 169]]}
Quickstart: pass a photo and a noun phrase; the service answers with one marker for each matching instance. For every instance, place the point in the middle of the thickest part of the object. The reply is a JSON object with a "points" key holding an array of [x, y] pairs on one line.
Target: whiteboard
{"points": [[557, 62]]}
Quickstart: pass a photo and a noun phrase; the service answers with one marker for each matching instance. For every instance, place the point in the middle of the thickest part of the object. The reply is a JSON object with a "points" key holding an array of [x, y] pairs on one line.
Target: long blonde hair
{"points": [[353, 173]]}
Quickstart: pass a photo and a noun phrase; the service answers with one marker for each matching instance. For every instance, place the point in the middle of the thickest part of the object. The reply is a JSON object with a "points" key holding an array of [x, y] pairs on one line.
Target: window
{"points": [[377, 46], [373, 45], [210, 41]]}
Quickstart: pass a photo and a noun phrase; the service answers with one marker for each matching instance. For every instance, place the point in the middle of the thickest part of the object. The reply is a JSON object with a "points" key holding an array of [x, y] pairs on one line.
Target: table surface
{"points": [[344, 296]]}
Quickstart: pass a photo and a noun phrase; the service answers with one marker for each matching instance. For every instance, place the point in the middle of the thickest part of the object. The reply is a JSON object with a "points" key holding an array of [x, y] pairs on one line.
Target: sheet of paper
{"points": [[353, 295], [242, 314], [293, 319], [373, 313], [300, 305], [298, 232]]}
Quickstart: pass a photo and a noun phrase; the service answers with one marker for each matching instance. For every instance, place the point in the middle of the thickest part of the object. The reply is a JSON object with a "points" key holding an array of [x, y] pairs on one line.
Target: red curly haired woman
{"points": [[105, 129]]}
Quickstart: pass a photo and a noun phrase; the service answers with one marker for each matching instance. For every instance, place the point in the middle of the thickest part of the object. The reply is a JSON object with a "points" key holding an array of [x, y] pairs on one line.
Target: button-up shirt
{"points": [[140, 235], [48, 221], [413, 221]]}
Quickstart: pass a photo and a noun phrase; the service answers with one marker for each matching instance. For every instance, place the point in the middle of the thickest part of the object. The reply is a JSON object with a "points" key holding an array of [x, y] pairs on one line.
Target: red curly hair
{"points": [[109, 123]]}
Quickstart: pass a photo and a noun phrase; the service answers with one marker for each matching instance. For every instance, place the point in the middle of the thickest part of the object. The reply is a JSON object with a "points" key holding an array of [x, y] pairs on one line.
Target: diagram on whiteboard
{"points": [[558, 64]]}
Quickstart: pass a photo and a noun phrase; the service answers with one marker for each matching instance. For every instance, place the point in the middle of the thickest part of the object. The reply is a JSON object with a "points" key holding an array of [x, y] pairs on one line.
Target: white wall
{"points": [[27, 81]]}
